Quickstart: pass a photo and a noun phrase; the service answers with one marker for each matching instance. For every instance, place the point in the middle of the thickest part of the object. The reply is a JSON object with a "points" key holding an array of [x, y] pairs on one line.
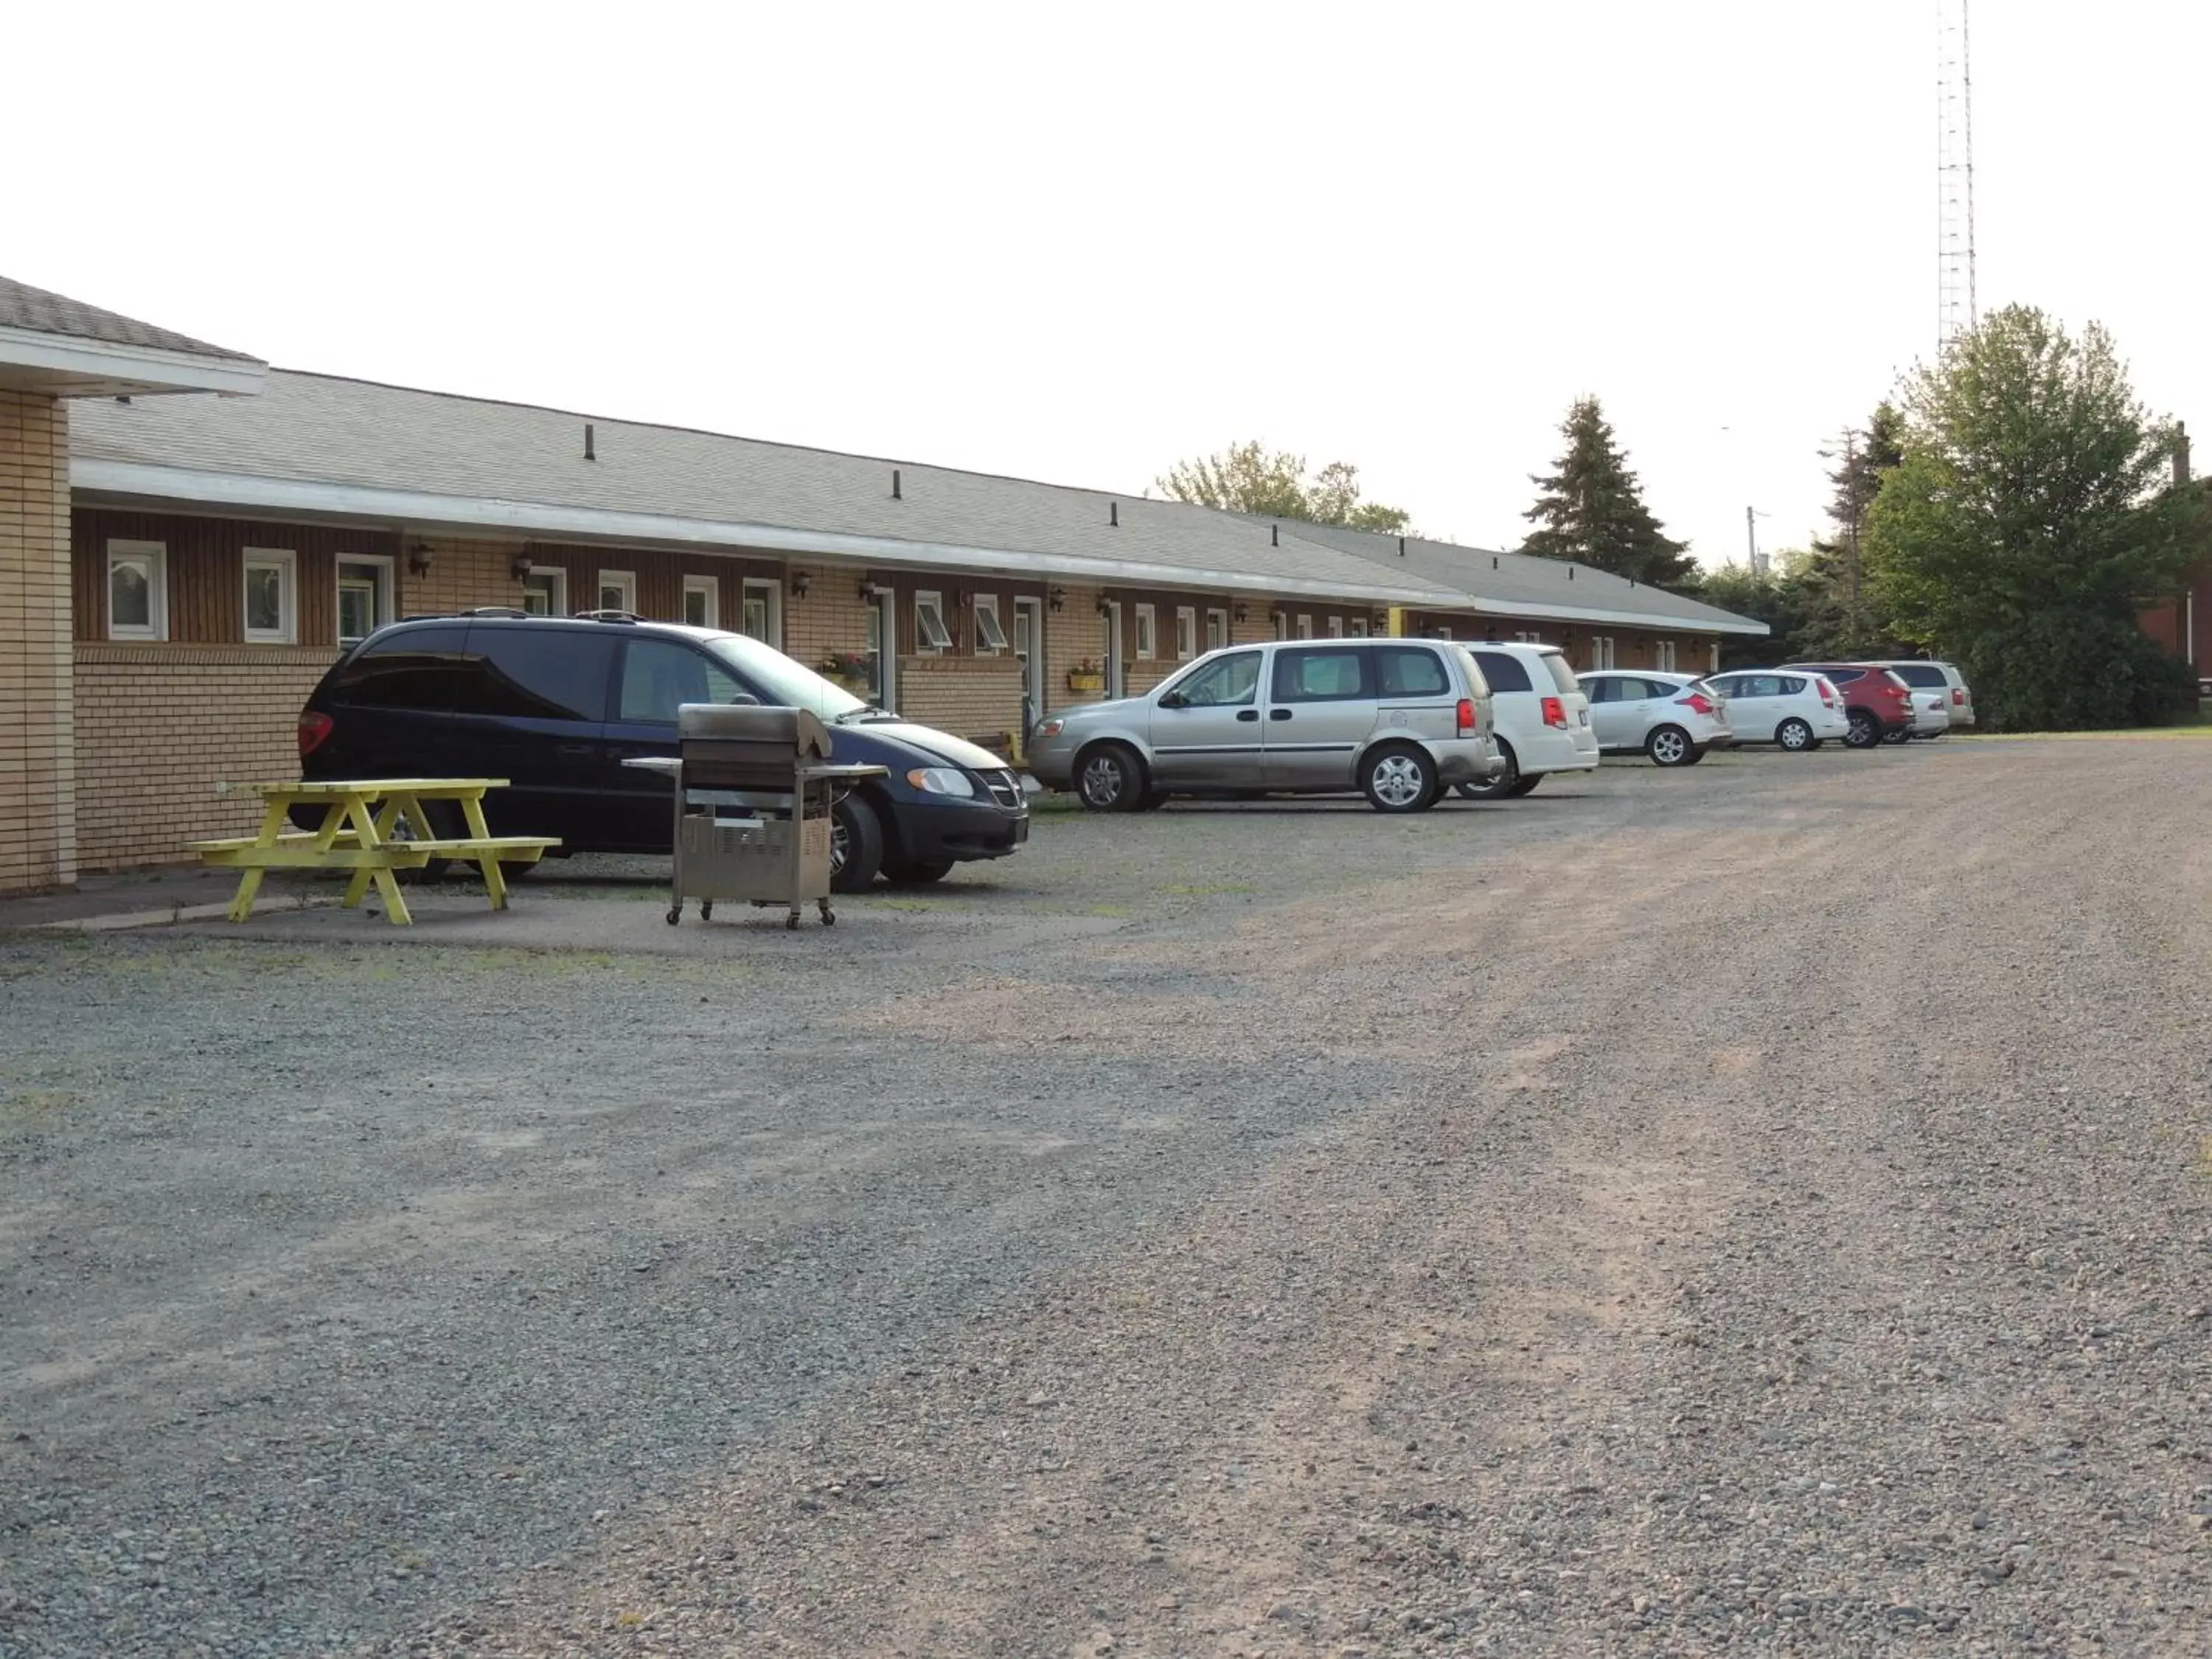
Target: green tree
{"points": [[1777, 598], [2028, 524], [1592, 512], [1246, 478], [1841, 615]]}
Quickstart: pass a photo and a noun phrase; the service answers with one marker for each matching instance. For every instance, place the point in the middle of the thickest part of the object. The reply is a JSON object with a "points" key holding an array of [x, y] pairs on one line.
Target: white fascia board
{"points": [[100, 363], [425, 511], [1646, 619]]}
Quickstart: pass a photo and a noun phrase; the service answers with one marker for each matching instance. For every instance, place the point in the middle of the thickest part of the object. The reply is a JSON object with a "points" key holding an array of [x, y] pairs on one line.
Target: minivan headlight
{"points": [[941, 781]]}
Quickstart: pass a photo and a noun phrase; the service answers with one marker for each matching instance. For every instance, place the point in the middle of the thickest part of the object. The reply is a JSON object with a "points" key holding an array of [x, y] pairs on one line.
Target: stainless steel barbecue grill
{"points": [[755, 791]]}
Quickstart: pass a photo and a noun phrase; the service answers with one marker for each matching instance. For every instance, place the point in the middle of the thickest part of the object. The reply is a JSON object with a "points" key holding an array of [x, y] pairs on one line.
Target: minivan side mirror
{"points": [[1174, 700], [744, 700]]}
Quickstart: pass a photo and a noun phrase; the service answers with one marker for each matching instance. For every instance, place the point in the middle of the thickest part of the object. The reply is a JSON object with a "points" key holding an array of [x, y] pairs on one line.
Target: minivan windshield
{"points": [[1563, 676], [783, 682]]}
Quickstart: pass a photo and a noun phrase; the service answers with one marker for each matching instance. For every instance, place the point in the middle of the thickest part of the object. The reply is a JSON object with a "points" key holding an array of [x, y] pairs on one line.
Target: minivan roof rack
{"points": [[609, 616], [496, 610]]}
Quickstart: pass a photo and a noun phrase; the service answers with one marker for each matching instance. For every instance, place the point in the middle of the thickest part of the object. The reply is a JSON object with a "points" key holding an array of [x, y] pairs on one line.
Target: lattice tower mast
{"points": [[1955, 310]]}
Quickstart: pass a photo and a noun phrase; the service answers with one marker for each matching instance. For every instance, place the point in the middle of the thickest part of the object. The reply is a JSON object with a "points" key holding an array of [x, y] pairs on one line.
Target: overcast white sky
{"points": [[1077, 243]]}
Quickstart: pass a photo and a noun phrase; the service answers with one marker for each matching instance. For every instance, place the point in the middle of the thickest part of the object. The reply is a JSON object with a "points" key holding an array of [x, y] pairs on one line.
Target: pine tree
{"points": [[1591, 511]]}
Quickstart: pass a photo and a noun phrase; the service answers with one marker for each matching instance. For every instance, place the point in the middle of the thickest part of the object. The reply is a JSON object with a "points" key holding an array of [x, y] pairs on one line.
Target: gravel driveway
{"points": [[1767, 1206]]}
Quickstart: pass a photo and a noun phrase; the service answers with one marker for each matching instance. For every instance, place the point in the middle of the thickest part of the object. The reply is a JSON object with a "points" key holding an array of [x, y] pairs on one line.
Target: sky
{"points": [[1080, 242]]}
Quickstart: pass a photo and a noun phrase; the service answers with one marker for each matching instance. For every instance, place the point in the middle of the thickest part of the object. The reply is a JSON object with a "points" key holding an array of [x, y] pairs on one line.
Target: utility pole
{"points": [[1751, 516]]}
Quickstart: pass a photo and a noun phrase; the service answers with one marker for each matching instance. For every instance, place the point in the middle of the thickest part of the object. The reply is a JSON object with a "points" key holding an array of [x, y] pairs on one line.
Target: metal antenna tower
{"points": [[1955, 311]]}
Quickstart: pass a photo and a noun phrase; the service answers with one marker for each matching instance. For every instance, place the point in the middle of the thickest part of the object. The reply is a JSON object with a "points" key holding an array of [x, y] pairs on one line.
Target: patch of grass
{"points": [[1204, 890], [30, 1108], [1053, 803]]}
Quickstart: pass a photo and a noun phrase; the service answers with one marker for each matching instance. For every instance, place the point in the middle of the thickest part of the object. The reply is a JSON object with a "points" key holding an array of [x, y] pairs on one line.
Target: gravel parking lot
{"points": [[1763, 1206]]}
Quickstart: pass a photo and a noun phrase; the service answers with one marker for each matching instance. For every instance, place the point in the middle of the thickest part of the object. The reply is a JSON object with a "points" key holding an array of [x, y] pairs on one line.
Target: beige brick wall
{"points": [[463, 574], [831, 616], [161, 728], [37, 746], [975, 698]]}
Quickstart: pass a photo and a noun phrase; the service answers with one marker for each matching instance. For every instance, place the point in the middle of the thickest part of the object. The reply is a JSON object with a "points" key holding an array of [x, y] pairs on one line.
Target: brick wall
{"points": [[160, 727], [1074, 635], [37, 751], [979, 698], [831, 616], [463, 574]]}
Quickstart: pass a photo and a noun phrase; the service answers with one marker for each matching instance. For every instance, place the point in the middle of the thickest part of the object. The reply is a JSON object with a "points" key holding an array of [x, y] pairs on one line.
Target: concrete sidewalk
{"points": [[147, 899]]}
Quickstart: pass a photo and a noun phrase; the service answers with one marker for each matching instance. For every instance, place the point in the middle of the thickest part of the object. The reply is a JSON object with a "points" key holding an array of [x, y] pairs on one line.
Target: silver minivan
{"points": [[1398, 719]]}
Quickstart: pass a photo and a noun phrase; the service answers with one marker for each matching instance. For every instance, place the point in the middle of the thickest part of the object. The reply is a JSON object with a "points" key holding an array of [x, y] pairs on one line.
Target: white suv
{"points": [[1543, 721]]}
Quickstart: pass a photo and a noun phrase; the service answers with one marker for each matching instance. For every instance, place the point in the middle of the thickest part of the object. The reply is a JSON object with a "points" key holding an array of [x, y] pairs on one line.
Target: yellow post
{"points": [[1397, 624]]}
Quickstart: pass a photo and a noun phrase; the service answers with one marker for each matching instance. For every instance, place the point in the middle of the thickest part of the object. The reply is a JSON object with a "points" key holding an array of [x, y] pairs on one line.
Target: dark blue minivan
{"points": [[554, 705]]}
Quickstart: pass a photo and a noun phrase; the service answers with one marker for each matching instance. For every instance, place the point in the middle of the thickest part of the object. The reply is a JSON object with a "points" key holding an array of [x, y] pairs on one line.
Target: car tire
{"points": [[916, 875], [1670, 746], [1897, 736], [1697, 755], [1399, 777], [1109, 778], [1796, 736], [1865, 732], [1498, 787], [856, 845], [1151, 800], [1525, 783]]}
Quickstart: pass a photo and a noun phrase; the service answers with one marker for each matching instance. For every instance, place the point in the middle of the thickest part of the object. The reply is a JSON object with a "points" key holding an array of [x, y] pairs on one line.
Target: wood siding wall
{"points": [[659, 576], [207, 570]]}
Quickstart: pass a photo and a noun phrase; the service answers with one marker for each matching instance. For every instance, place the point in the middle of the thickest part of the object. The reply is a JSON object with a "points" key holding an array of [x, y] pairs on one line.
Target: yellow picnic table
{"points": [[360, 822]]}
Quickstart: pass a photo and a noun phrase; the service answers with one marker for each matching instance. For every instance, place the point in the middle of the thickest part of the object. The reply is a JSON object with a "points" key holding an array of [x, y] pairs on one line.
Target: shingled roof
{"points": [[40, 312]]}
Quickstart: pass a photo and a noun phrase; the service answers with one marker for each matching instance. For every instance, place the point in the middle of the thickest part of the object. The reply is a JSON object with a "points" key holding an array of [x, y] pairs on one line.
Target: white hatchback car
{"points": [[1798, 711], [1543, 719], [1673, 718]]}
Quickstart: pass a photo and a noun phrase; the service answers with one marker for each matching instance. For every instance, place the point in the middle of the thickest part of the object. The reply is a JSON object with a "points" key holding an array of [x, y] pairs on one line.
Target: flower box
{"points": [[1079, 680]]}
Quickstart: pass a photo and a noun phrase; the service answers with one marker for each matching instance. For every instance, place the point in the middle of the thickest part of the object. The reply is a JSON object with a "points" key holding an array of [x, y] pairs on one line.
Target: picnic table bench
{"points": [[361, 831]]}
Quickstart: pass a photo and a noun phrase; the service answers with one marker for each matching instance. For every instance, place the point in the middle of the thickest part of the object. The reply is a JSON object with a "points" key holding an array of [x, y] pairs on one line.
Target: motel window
{"points": [[1185, 633], [1305, 628], [1336, 627], [546, 592], [1664, 651], [270, 614], [764, 615], [1217, 630], [930, 632], [364, 597], [702, 601], [990, 638], [1601, 652], [137, 591], [1357, 626], [1282, 626], [1444, 630], [618, 591], [1148, 633]]}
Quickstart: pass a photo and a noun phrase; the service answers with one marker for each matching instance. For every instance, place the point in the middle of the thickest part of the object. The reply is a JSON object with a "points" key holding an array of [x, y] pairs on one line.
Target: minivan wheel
{"points": [[1524, 783], [1865, 732], [1498, 787], [1670, 746], [1795, 735], [1400, 778], [856, 846], [1110, 779], [916, 875]]}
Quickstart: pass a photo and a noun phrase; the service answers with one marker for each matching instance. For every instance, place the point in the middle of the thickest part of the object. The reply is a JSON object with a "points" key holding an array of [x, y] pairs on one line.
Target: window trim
{"points": [[987, 604], [1215, 615], [1148, 633], [1357, 627], [382, 564], [932, 600], [556, 589], [624, 580], [286, 563], [1185, 633], [1304, 629], [771, 593], [156, 557], [709, 588]]}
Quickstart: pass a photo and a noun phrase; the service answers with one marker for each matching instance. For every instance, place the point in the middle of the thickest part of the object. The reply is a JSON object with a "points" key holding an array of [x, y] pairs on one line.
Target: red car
{"points": [[1876, 701]]}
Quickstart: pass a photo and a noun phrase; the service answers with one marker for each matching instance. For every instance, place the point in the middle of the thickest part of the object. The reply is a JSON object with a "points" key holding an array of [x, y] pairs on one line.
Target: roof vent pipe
{"points": [[591, 452], [1274, 535], [894, 486], [1494, 561], [1571, 573], [1401, 547], [1114, 514]]}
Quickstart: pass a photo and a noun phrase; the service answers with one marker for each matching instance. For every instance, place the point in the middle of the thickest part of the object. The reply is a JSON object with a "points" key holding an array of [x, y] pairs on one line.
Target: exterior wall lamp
{"points": [[1243, 613], [418, 559], [521, 567], [1056, 599], [802, 583]]}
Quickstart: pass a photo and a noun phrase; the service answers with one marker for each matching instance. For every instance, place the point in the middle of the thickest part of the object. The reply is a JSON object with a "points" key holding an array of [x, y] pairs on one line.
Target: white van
{"points": [[1543, 722]]}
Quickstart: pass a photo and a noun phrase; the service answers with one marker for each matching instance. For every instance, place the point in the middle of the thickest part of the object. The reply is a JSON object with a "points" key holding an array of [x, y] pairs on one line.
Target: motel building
{"points": [[189, 538]]}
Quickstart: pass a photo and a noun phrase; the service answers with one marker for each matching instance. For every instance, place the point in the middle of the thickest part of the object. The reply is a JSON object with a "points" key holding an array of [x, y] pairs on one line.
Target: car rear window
{"points": [[1505, 673], [1921, 674], [417, 668], [1408, 671], [1843, 676], [1792, 684], [1563, 678]]}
